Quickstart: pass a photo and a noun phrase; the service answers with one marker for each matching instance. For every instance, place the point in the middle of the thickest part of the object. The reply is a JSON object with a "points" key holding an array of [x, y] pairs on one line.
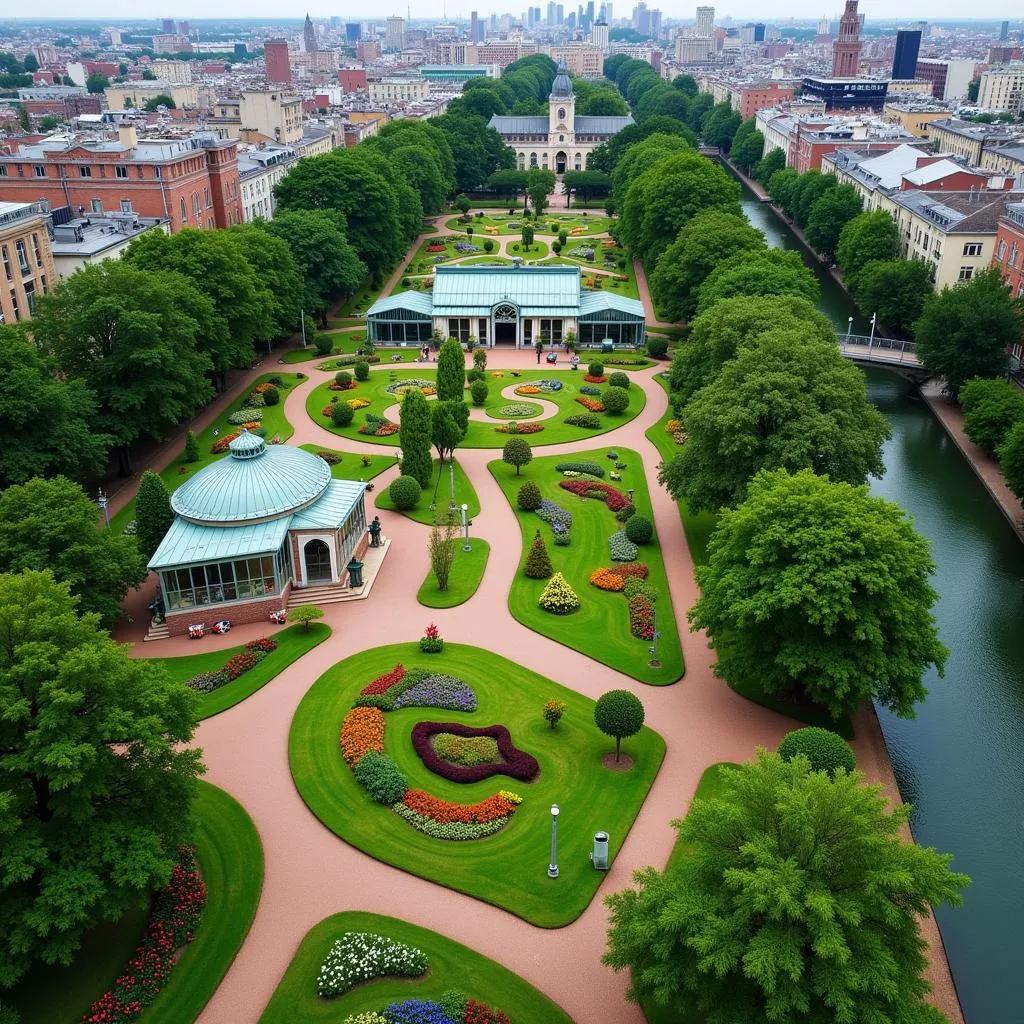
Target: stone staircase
{"points": [[327, 593], [157, 632]]}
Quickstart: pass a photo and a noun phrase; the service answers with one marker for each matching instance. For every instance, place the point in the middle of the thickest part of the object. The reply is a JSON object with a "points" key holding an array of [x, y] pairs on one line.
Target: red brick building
{"points": [[761, 96], [191, 182], [1008, 254], [277, 61], [352, 79]]}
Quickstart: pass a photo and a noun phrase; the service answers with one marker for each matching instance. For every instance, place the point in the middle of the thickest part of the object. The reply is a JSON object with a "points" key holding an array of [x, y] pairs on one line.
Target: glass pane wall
{"points": [[219, 582]]}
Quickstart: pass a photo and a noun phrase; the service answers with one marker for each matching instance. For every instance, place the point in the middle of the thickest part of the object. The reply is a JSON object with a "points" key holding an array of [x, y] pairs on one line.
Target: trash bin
{"points": [[607, 345], [355, 573], [599, 855]]}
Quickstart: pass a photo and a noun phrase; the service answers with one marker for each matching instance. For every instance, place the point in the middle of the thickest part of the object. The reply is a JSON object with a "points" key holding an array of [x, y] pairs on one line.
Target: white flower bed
{"points": [[362, 956]]}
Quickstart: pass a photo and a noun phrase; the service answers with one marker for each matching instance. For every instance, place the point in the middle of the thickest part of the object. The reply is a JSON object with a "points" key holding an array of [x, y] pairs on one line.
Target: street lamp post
{"points": [[871, 340], [553, 866], [465, 525], [849, 327], [451, 483], [104, 504], [302, 320]]}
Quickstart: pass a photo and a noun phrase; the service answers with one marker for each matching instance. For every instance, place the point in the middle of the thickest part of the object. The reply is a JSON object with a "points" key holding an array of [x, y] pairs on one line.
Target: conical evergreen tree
{"points": [[414, 437], [538, 562], [153, 515], [451, 372]]}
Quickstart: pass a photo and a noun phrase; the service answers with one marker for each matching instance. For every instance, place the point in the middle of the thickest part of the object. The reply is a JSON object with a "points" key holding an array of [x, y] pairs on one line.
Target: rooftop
{"points": [[14, 213], [95, 234], [958, 212], [977, 130]]}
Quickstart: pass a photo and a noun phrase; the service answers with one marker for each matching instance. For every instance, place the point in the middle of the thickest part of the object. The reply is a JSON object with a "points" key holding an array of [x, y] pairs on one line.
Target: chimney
{"points": [[127, 136]]}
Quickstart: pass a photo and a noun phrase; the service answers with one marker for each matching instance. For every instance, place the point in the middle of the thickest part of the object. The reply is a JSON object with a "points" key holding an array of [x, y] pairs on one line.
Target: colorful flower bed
{"points": [[358, 957], [549, 384], [527, 389], [513, 762], [628, 579], [518, 409], [362, 730], [641, 617], [384, 683], [255, 651], [437, 690], [426, 386], [358, 403], [552, 513], [637, 570], [611, 496], [520, 428], [591, 404], [416, 1011], [465, 750], [176, 914], [335, 386], [622, 548], [675, 428], [591, 378], [378, 426], [501, 805], [589, 389], [220, 446], [245, 416], [607, 579]]}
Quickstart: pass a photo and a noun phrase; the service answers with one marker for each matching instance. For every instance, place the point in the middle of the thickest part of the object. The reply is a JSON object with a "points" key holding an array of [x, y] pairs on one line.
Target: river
{"points": [[960, 762]]}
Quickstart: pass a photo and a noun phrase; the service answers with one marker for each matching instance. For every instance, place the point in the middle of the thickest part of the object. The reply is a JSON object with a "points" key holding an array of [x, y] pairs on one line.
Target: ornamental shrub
{"points": [[342, 414], [249, 415], [657, 347], [271, 396], [625, 512], [478, 392], [358, 957], [472, 376], [584, 419], [827, 751], [619, 713], [639, 529], [191, 447], [553, 711], [405, 492], [619, 380], [538, 561], [323, 344], [451, 371], [381, 778], [590, 468], [480, 359], [558, 597], [362, 370], [596, 369], [453, 1002], [517, 452], [616, 401], [343, 379], [528, 497]]}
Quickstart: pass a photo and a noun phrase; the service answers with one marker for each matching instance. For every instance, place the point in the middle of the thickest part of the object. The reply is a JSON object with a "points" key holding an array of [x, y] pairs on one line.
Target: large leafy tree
{"points": [[134, 338], [45, 422], [709, 238], [719, 125], [784, 402], [719, 332], [798, 900], [894, 289], [867, 237], [765, 272], [153, 513], [809, 187], [991, 407], [540, 183], [52, 524], [663, 101], [641, 157], [421, 170], [328, 265], [965, 331], [271, 257], [95, 783], [747, 145], [817, 590], [1011, 458], [773, 161], [781, 186], [421, 135], [587, 184], [477, 149], [828, 214]]}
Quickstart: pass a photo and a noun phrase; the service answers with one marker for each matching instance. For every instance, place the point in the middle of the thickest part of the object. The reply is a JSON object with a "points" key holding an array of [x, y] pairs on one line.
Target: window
{"points": [[533, 160], [184, 210], [121, 172], [126, 206], [14, 304], [1013, 255], [156, 172], [97, 205], [85, 172], [19, 245], [972, 248], [36, 250], [966, 273], [1002, 252], [7, 262], [30, 297], [195, 205], [206, 198], [40, 171], [551, 330], [458, 327], [42, 283], [3, 171]]}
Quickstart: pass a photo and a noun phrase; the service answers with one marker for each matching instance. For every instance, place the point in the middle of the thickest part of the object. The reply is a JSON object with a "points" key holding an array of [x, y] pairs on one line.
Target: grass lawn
{"points": [[495, 403], [466, 573], [591, 224], [179, 471], [353, 467], [292, 644], [360, 302], [600, 629], [343, 344], [508, 868], [231, 860], [480, 434], [492, 258], [452, 965], [464, 495]]}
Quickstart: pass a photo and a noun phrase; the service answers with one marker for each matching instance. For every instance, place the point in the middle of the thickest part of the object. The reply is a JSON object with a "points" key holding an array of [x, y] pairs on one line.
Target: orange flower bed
{"points": [[626, 569], [335, 386], [261, 388], [221, 444], [527, 389], [593, 404], [434, 807], [362, 730], [592, 379], [607, 579]]}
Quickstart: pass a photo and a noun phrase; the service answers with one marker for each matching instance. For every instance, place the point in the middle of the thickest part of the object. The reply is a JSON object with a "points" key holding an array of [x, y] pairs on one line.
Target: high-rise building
{"points": [[642, 19], [167, 26], [309, 35], [551, 13], [275, 57], [394, 34], [185, 28], [353, 32], [1004, 31], [705, 21], [823, 26], [904, 61], [758, 32], [599, 35], [559, 14], [846, 48]]}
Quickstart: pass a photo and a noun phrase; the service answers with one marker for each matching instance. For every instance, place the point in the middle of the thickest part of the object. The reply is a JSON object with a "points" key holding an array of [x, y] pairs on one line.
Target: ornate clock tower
{"points": [[562, 121]]}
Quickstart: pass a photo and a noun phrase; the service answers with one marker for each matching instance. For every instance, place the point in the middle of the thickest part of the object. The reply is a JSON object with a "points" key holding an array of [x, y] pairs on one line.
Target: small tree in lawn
{"points": [[191, 447], [527, 236], [462, 204], [414, 437], [451, 371], [442, 549], [538, 561], [619, 713], [517, 452], [153, 514], [553, 711], [306, 613]]}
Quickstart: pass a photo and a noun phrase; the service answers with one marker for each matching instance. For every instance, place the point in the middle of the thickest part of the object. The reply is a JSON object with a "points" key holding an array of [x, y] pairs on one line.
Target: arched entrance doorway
{"points": [[317, 558], [506, 324], [561, 160]]}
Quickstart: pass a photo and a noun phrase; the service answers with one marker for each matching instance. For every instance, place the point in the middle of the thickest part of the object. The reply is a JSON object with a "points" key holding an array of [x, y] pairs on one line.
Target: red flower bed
{"points": [[520, 428], [385, 430], [611, 496], [445, 811], [481, 1013], [641, 617], [435, 248], [239, 663], [221, 444], [593, 379], [335, 386], [627, 569], [176, 913], [383, 683], [264, 643], [517, 763], [593, 404]]}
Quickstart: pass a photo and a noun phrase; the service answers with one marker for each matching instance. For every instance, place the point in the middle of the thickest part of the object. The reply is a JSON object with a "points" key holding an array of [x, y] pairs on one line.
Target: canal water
{"points": [[960, 762]]}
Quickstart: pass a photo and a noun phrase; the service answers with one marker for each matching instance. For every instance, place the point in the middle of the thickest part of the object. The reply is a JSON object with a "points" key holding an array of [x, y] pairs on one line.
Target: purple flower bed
{"points": [[517, 763], [417, 1011], [439, 691], [552, 513]]}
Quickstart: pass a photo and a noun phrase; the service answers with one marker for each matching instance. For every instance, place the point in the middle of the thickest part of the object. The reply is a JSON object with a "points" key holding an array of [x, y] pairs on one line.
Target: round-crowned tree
{"points": [[616, 401], [826, 750], [657, 347], [517, 452], [619, 713], [596, 369], [341, 414], [528, 497], [362, 370], [343, 379], [619, 380], [478, 391], [404, 492], [639, 529]]}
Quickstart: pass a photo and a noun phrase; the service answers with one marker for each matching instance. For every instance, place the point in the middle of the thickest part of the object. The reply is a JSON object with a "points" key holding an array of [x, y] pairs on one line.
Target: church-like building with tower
{"points": [[563, 140]]}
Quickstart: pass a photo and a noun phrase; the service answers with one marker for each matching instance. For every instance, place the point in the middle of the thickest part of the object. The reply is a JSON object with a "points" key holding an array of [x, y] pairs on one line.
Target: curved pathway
{"points": [[311, 873], [548, 409]]}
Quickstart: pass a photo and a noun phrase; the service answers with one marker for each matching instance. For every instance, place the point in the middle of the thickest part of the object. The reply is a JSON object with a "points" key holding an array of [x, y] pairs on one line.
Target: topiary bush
{"points": [[616, 401], [618, 379], [657, 348], [558, 597], [323, 344], [827, 751], [474, 375], [341, 414], [405, 492], [343, 379], [538, 562], [362, 370], [590, 468], [516, 452], [381, 778], [478, 392], [639, 529], [596, 369], [589, 420], [619, 713], [528, 497], [271, 396]]}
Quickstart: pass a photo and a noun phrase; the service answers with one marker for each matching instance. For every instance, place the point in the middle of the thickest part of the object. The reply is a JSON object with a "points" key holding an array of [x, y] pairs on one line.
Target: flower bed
{"points": [[490, 808], [255, 651], [176, 913], [607, 579], [362, 730], [416, 1011], [520, 428], [378, 426], [589, 389], [335, 386], [611, 496], [630, 569], [527, 389], [590, 468], [358, 957], [331, 458], [221, 444], [465, 750], [245, 416], [384, 683], [454, 831], [552, 513], [437, 690], [590, 404], [622, 548], [515, 763], [358, 403], [595, 379], [583, 419], [426, 386], [641, 617], [518, 409]]}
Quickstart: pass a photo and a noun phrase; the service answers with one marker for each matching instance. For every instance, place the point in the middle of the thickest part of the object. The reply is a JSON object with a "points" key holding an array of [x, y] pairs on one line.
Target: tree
{"points": [[817, 590], [449, 422], [306, 613], [451, 372], [508, 183], [442, 549], [604, 104], [719, 125], [132, 337], [781, 186], [517, 452], [477, 149], [160, 100], [773, 161], [148, 76], [991, 407], [809, 187], [619, 713], [798, 899], [720, 331], [587, 185], [641, 157], [972, 90], [90, 827], [96, 83], [153, 513], [538, 561], [553, 711], [527, 236], [783, 402], [45, 422], [271, 257], [708, 239], [540, 183], [414, 437], [864, 239], [965, 331], [894, 289], [826, 751], [768, 272], [828, 214], [30, 64], [191, 453], [747, 145]]}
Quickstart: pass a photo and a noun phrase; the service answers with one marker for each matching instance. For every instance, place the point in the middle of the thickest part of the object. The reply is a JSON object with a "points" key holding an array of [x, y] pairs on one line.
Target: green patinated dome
{"points": [[255, 482]]}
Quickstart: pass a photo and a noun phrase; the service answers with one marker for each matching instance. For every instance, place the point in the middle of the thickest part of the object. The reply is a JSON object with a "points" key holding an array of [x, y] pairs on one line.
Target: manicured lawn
{"points": [[491, 258], [480, 434], [600, 629], [360, 302], [508, 868], [592, 224], [352, 467], [495, 403], [466, 573], [292, 644], [422, 513], [343, 343], [274, 423], [452, 965]]}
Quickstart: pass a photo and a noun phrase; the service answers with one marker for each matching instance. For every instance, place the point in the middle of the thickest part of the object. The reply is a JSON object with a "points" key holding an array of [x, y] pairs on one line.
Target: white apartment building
{"points": [[398, 90], [691, 49], [259, 170], [582, 59], [1001, 88], [177, 71], [705, 21]]}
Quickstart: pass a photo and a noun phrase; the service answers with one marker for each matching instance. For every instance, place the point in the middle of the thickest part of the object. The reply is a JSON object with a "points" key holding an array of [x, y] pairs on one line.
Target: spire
{"points": [[309, 35]]}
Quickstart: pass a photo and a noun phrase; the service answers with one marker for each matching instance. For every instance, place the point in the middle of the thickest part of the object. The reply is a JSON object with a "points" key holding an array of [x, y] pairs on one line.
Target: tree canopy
{"points": [[817, 590], [798, 899], [747, 145], [768, 272], [719, 125], [991, 407], [827, 216], [641, 157], [894, 289], [271, 257], [865, 238], [477, 149]]}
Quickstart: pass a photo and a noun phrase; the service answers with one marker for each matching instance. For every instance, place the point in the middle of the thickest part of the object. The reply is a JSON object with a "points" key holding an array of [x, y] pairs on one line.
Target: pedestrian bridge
{"points": [[883, 353]]}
